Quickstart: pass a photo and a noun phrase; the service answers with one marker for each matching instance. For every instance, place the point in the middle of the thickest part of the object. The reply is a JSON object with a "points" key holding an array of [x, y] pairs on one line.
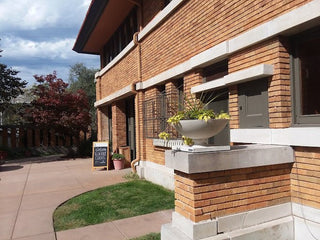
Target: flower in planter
{"points": [[194, 109]]}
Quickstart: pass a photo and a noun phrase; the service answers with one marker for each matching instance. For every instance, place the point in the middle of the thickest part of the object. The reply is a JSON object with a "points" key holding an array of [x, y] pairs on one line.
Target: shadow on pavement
{"points": [[10, 168]]}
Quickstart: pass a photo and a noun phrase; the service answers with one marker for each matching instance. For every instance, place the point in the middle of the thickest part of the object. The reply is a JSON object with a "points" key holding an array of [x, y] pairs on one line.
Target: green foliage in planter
{"points": [[117, 156], [194, 108]]}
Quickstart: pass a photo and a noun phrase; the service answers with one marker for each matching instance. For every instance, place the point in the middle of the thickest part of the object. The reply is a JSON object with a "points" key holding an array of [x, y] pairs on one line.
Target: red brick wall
{"points": [[150, 10], [274, 52], [121, 75], [208, 195], [154, 154], [305, 177], [199, 25]]}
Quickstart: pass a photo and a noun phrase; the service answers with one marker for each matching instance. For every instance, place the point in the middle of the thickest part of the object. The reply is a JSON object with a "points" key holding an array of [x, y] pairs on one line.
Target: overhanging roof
{"points": [[102, 20]]}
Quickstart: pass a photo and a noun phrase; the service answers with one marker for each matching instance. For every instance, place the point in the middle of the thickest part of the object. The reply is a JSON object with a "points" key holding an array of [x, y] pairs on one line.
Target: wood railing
{"points": [[12, 136]]}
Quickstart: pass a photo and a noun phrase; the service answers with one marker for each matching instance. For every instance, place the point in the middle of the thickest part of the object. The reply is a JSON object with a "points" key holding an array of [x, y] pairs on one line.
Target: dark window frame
{"points": [[215, 71], [298, 118], [121, 37], [157, 110]]}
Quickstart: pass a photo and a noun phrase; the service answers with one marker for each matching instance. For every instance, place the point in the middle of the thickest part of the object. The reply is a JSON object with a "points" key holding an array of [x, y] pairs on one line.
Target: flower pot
{"points": [[118, 164], [199, 129]]}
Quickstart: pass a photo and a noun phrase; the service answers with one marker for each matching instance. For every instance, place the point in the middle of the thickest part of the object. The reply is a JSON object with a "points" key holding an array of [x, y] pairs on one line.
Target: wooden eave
{"points": [[102, 20]]}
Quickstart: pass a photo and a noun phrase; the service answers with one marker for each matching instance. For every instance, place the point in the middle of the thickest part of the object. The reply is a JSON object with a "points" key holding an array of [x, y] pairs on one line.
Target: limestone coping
{"points": [[238, 157]]}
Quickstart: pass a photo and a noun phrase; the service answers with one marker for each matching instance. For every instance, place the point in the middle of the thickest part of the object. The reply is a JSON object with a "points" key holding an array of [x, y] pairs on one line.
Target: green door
{"points": [[253, 104]]}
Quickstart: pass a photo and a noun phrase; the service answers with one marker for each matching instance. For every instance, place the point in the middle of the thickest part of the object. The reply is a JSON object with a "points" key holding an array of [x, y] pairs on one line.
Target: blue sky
{"points": [[37, 36]]}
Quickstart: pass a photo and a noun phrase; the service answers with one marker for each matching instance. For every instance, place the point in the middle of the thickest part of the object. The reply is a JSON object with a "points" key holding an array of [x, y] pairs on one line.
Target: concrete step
{"points": [[168, 232]]}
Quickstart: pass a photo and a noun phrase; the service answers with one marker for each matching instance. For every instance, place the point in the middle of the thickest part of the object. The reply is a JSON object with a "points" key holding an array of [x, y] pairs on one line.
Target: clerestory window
{"points": [[121, 38]]}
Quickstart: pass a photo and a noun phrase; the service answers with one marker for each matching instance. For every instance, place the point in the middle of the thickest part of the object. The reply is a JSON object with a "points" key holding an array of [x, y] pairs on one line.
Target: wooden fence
{"points": [[28, 136]]}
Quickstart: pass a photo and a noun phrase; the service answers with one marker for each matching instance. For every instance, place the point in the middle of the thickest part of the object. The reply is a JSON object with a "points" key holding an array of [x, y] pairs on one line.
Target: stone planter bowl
{"points": [[200, 129]]}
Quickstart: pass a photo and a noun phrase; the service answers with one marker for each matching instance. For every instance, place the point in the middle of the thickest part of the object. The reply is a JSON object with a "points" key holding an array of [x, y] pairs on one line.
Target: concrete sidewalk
{"points": [[30, 192]]}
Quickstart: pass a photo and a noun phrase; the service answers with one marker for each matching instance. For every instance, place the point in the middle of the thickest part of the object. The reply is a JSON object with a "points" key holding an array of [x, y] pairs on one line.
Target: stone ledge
{"points": [[238, 157]]}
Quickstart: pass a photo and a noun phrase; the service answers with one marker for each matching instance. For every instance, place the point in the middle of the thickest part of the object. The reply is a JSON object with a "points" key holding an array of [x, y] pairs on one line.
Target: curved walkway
{"points": [[30, 192]]}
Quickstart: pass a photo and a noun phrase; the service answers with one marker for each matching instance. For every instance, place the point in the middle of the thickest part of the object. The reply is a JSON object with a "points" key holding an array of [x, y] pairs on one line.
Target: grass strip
{"points": [[123, 200], [151, 236]]}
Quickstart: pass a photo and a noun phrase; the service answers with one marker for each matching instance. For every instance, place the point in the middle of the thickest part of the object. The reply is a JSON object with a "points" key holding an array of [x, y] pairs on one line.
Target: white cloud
{"points": [[33, 36], [34, 14], [15, 47]]}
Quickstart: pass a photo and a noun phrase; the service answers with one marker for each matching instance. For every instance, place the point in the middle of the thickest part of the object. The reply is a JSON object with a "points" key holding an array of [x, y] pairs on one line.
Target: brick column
{"points": [[191, 80], [119, 137], [280, 90], [141, 141], [99, 125], [234, 107], [103, 127]]}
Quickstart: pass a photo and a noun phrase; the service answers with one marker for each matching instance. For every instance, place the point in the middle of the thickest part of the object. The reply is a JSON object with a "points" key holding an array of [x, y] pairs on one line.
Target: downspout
{"points": [[138, 158]]}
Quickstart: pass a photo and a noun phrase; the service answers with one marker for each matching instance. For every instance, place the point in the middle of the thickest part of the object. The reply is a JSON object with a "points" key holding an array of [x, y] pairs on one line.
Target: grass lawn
{"points": [[151, 236], [124, 200]]}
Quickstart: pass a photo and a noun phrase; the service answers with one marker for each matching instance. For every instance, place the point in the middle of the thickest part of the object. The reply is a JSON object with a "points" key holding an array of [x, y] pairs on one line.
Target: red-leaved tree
{"points": [[58, 108]]}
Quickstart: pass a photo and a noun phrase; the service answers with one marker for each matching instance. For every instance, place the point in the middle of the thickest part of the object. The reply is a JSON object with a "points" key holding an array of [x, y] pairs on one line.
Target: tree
{"points": [[81, 77], [56, 107], [11, 86]]}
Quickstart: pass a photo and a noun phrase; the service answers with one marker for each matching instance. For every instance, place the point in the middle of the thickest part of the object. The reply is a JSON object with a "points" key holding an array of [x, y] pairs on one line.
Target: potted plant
{"points": [[118, 161], [196, 123]]}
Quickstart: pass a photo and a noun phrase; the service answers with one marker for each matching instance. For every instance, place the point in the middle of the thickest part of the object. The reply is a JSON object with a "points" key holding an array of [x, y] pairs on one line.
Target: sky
{"points": [[37, 36]]}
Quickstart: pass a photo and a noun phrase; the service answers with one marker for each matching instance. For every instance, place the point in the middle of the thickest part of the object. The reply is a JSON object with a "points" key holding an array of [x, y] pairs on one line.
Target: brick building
{"points": [[262, 55]]}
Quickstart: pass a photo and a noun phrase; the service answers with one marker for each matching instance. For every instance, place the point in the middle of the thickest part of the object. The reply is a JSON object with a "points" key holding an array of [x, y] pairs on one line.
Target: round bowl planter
{"points": [[118, 164], [200, 129]]}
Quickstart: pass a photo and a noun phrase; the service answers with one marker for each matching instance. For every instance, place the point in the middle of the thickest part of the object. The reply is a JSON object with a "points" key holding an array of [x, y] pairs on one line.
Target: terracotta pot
{"points": [[118, 164]]}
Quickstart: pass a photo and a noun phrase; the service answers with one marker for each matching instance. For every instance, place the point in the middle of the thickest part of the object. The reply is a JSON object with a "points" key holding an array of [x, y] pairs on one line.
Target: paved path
{"points": [[30, 192]]}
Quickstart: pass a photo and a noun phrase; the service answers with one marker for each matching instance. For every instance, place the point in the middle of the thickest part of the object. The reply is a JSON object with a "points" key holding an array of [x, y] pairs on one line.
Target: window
{"points": [[215, 71], [157, 109], [306, 77], [121, 37]]}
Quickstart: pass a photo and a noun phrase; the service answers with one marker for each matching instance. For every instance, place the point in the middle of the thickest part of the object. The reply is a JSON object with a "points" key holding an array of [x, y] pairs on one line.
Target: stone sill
{"points": [[238, 157]]}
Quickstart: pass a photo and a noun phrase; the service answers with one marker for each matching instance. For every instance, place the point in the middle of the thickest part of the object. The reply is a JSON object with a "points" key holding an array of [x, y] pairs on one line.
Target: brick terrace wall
{"points": [[199, 25], [274, 52], [209, 195], [121, 75], [305, 177], [154, 154]]}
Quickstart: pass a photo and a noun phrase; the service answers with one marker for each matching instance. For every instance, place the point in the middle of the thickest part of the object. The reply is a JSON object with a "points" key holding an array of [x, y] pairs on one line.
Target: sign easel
{"points": [[100, 155]]}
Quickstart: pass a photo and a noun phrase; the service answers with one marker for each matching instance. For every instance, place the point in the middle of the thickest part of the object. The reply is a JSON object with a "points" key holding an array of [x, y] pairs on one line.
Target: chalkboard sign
{"points": [[100, 155]]}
